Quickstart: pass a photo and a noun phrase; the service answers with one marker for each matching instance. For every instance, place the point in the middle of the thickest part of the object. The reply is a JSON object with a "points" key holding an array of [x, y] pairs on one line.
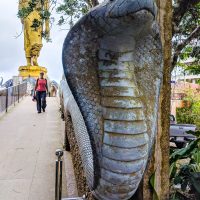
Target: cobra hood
{"points": [[113, 66]]}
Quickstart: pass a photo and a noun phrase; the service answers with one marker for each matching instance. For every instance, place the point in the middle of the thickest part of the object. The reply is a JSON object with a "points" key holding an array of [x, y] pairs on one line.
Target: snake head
{"points": [[120, 8], [115, 16]]}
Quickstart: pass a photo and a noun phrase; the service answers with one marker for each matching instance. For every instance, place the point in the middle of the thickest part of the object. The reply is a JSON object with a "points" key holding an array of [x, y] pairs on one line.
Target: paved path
{"points": [[27, 151]]}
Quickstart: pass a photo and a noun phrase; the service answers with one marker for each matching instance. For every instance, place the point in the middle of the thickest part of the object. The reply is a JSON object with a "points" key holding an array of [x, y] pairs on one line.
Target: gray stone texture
{"points": [[113, 68]]}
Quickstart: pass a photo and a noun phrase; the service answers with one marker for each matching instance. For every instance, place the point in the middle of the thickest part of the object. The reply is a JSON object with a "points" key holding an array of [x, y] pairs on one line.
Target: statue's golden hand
{"points": [[22, 21], [47, 29], [47, 33]]}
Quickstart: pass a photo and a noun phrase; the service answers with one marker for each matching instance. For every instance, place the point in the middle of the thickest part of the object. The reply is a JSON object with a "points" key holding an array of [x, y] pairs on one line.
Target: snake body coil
{"points": [[113, 68]]}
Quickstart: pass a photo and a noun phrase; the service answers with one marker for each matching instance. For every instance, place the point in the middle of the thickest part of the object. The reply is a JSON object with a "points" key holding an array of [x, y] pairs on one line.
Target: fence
{"points": [[11, 95], [58, 178]]}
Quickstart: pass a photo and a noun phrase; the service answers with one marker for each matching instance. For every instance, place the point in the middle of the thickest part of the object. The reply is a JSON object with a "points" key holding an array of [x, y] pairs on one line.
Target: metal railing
{"points": [[58, 183], [9, 96], [58, 178]]}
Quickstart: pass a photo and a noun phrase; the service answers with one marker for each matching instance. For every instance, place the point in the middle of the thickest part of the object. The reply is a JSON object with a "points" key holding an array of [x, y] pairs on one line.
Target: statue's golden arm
{"points": [[47, 21], [20, 6]]}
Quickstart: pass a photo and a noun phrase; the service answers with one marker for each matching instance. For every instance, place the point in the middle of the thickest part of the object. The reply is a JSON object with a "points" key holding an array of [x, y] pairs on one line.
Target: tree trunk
{"points": [[159, 163]]}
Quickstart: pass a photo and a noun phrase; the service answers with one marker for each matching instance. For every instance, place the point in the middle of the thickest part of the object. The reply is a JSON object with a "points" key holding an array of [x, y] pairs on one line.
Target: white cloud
{"points": [[12, 50]]}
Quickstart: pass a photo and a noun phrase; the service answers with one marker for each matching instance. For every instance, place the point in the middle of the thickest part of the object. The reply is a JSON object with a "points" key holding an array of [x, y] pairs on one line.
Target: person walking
{"points": [[41, 88]]}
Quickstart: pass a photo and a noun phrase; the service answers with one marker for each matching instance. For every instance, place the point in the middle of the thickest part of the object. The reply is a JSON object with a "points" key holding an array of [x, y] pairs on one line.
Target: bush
{"points": [[190, 114], [185, 172]]}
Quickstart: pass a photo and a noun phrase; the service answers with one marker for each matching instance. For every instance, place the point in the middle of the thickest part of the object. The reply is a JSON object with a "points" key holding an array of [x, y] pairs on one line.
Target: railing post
{"points": [[14, 94], [18, 92], [6, 99], [56, 182], [60, 184], [58, 179]]}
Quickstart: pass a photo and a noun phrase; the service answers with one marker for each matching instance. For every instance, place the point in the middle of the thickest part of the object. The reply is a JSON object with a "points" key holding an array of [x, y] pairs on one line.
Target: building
{"points": [[178, 92]]}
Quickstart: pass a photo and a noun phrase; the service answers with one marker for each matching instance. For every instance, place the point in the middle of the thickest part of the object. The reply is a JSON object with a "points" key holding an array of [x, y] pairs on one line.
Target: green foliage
{"points": [[196, 133], [36, 24], [193, 69], [195, 166], [189, 22], [196, 107], [184, 152], [194, 53], [190, 113], [24, 12], [152, 182], [72, 10], [185, 170], [45, 15]]}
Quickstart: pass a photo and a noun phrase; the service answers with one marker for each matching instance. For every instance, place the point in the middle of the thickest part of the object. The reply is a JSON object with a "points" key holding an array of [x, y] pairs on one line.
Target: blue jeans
{"points": [[41, 100]]}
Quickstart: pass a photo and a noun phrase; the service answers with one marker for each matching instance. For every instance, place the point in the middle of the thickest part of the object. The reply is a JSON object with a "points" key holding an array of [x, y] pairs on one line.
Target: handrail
{"points": [[58, 178], [9, 96], [58, 183]]}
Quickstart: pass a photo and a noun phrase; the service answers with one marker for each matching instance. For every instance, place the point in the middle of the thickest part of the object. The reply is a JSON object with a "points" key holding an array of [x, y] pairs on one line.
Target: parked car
{"points": [[178, 132]]}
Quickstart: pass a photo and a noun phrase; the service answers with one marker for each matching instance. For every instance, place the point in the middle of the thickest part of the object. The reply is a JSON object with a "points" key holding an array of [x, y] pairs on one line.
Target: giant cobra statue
{"points": [[112, 60]]}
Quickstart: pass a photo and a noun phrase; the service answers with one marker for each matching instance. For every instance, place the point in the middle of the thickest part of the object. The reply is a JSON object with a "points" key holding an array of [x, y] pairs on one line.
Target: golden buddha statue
{"points": [[33, 25]]}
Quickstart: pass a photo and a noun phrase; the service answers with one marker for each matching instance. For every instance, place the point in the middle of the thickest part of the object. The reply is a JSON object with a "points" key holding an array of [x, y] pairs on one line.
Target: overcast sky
{"points": [[12, 50]]}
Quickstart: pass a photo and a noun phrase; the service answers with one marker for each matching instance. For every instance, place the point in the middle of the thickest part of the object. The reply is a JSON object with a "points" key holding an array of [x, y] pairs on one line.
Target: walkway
{"points": [[27, 151]]}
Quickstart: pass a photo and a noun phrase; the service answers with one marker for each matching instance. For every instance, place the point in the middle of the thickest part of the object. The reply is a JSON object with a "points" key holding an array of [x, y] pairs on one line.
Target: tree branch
{"points": [[180, 47], [181, 7], [94, 2]]}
